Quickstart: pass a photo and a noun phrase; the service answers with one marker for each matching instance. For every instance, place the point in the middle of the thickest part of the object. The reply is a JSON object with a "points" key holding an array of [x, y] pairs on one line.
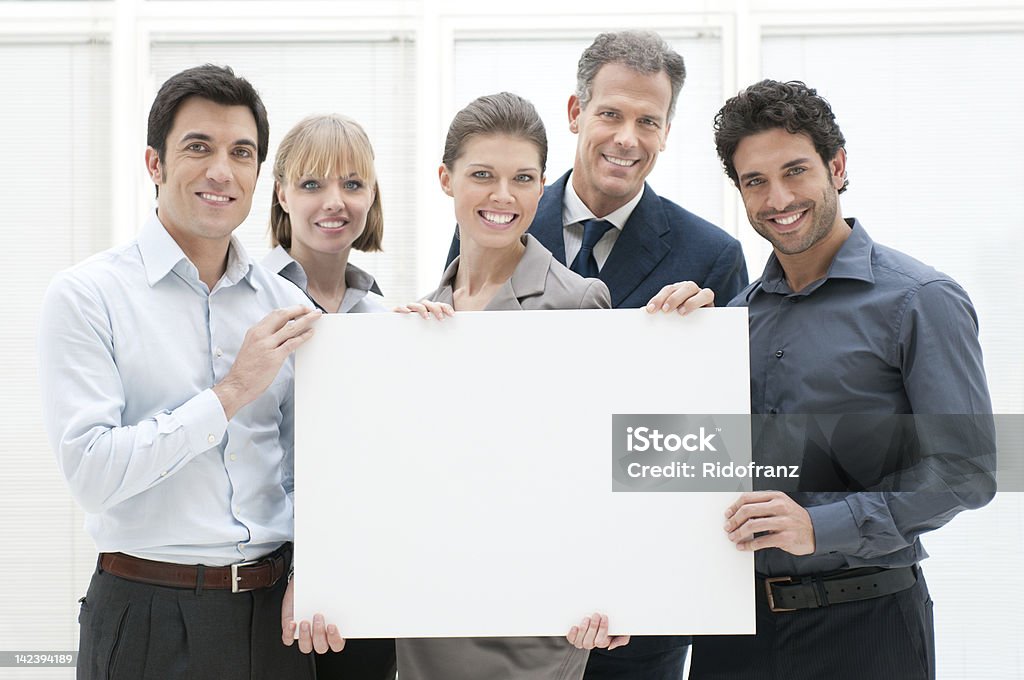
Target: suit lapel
{"points": [[527, 280], [638, 249], [504, 299], [547, 223]]}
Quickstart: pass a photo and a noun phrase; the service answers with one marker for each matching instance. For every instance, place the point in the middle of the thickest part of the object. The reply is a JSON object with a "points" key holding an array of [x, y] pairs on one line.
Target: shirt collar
{"points": [[281, 262], [161, 254], [239, 265], [574, 210], [360, 279], [853, 261]]}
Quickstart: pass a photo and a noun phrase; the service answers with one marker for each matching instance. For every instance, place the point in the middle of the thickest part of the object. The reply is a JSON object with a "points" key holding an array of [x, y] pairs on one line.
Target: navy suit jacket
{"points": [[661, 243]]}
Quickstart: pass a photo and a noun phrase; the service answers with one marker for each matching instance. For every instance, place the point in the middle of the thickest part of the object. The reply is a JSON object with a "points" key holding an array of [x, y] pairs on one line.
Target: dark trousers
{"points": [[646, 657], [371, 659], [663, 665], [885, 637], [135, 631]]}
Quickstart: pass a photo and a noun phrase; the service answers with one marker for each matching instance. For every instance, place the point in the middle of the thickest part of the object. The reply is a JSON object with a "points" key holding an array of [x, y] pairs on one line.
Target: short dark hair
{"points": [[645, 52], [504, 114], [220, 85], [770, 104]]}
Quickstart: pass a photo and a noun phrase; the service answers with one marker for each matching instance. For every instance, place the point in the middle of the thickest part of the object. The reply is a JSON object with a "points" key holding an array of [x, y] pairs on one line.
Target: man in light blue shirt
{"points": [[167, 398]]}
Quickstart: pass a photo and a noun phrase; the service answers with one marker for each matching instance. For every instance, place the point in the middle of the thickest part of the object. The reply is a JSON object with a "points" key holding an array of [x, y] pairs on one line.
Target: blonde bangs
{"points": [[325, 146]]}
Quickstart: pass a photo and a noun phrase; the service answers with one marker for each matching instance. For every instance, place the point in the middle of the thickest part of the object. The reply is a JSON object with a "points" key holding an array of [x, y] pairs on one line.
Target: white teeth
{"points": [[497, 218], [331, 224], [624, 162], [785, 221], [215, 197]]}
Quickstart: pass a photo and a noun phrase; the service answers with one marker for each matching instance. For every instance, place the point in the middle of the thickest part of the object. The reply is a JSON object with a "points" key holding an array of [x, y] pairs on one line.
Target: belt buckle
{"points": [[235, 578], [771, 598]]}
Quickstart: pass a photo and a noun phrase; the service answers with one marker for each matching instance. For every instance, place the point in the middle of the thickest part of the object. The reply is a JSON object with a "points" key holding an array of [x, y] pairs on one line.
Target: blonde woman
{"points": [[325, 203]]}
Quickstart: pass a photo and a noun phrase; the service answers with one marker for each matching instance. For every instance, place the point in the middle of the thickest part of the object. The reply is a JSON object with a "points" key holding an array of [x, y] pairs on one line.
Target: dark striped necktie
{"points": [[585, 265]]}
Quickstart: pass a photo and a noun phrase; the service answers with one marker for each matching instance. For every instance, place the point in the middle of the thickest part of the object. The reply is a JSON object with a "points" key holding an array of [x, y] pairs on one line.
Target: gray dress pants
{"points": [[529, 658], [135, 631]]}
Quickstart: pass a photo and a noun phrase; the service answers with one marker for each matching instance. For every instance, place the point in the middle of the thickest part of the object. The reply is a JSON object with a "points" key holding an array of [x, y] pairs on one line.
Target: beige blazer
{"points": [[538, 282]]}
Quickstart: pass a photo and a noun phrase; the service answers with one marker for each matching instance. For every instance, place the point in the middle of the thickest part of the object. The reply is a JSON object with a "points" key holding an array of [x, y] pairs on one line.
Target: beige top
{"points": [[538, 282]]}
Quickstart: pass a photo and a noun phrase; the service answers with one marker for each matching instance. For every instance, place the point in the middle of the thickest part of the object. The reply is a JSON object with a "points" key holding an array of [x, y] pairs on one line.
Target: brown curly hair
{"points": [[771, 104]]}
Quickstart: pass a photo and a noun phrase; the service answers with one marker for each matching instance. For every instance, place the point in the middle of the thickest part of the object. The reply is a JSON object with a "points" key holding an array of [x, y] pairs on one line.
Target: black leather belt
{"points": [[238, 578], [789, 593]]}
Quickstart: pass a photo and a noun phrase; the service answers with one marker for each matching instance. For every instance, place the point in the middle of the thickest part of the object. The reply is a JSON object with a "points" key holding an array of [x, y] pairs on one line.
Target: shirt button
{"points": [[233, 457], [773, 411], [218, 352], [164, 473], [241, 545], [211, 439], [794, 298], [778, 354]]}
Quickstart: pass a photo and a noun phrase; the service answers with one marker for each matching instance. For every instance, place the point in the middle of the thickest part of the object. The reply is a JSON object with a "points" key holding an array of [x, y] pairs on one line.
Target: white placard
{"points": [[454, 478]]}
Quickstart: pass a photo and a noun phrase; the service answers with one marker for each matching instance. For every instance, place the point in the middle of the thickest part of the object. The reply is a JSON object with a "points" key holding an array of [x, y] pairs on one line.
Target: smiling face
{"points": [[790, 195], [327, 215], [496, 182], [621, 132], [208, 174]]}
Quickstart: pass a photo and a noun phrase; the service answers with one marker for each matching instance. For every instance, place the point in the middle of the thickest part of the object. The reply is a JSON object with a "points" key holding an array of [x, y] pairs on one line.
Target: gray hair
{"points": [[643, 51]]}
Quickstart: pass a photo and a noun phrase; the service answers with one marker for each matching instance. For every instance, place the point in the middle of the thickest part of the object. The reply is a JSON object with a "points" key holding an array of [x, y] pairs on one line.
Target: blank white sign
{"points": [[454, 478]]}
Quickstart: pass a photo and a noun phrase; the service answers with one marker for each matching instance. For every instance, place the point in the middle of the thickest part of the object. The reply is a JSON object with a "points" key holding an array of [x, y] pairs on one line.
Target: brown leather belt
{"points": [[238, 578]]}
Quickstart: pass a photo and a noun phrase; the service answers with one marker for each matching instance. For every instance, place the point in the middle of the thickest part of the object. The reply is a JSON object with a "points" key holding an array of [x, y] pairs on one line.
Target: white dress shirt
{"points": [[131, 342], [575, 212]]}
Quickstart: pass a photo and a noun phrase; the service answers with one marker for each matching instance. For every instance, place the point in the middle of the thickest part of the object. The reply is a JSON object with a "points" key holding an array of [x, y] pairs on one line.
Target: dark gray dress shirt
{"points": [[880, 337]]}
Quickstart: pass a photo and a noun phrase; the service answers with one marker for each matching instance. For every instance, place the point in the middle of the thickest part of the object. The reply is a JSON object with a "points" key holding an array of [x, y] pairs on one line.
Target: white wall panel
{"points": [[54, 173]]}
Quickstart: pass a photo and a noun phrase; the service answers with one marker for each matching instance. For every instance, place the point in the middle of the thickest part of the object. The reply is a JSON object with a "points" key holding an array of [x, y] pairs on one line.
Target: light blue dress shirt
{"points": [[131, 343], [362, 295]]}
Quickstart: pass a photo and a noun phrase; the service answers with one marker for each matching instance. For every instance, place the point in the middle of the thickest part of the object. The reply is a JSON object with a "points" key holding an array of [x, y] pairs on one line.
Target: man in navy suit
{"points": [[603, 220], [626, 91]]}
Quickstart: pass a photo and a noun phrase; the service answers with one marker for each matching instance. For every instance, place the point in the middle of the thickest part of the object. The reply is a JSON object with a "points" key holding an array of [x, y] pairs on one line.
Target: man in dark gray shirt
{"points": [[879, 355]]}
